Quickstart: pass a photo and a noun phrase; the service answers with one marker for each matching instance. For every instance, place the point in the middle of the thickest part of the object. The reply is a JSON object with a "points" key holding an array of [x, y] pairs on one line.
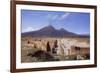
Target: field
{"points": [[54, 49]]}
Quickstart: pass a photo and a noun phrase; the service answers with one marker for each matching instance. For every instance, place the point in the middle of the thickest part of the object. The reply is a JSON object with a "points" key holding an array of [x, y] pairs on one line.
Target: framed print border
{"points": [[13, 35]]}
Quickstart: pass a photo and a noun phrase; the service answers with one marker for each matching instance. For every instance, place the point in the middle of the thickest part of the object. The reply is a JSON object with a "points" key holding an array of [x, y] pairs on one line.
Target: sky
{"points": [[76, 22]]}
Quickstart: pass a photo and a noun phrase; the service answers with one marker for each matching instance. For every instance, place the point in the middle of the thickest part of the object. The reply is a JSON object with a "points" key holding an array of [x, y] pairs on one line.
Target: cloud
{"points": [[58, 17], [55, 17], [52, 17], [48, 16], [64, 16], [29, 29]]}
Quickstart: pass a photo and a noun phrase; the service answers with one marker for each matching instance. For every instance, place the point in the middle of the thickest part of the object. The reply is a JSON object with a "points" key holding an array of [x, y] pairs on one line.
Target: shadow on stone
{"points": [[43, 56]]}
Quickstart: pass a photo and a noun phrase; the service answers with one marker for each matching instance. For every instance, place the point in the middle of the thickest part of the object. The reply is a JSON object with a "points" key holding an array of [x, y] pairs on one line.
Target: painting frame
{"points": [[13, 35]]}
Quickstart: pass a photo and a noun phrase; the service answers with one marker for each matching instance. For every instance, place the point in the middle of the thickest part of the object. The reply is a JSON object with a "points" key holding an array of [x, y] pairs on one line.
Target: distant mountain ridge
{"points": [[50, 31]]}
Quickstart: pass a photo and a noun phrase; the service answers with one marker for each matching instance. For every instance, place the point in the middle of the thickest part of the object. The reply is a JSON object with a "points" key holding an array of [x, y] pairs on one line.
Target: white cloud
{"points": [[64, 16], [58, 17], [52, 17], [48, 16], [29, 29], [55, 17]]}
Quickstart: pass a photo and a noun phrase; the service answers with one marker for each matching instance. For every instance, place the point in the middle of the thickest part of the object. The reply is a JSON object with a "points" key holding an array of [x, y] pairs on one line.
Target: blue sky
{"points": [[32, 20]]}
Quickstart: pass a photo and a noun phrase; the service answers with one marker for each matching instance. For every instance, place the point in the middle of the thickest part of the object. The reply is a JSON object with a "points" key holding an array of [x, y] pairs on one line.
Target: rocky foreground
{"points": [[54, 49]]}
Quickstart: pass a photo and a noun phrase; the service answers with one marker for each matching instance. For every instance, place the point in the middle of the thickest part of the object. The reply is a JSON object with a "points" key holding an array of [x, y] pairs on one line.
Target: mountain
{"points": [[50, 31]]}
